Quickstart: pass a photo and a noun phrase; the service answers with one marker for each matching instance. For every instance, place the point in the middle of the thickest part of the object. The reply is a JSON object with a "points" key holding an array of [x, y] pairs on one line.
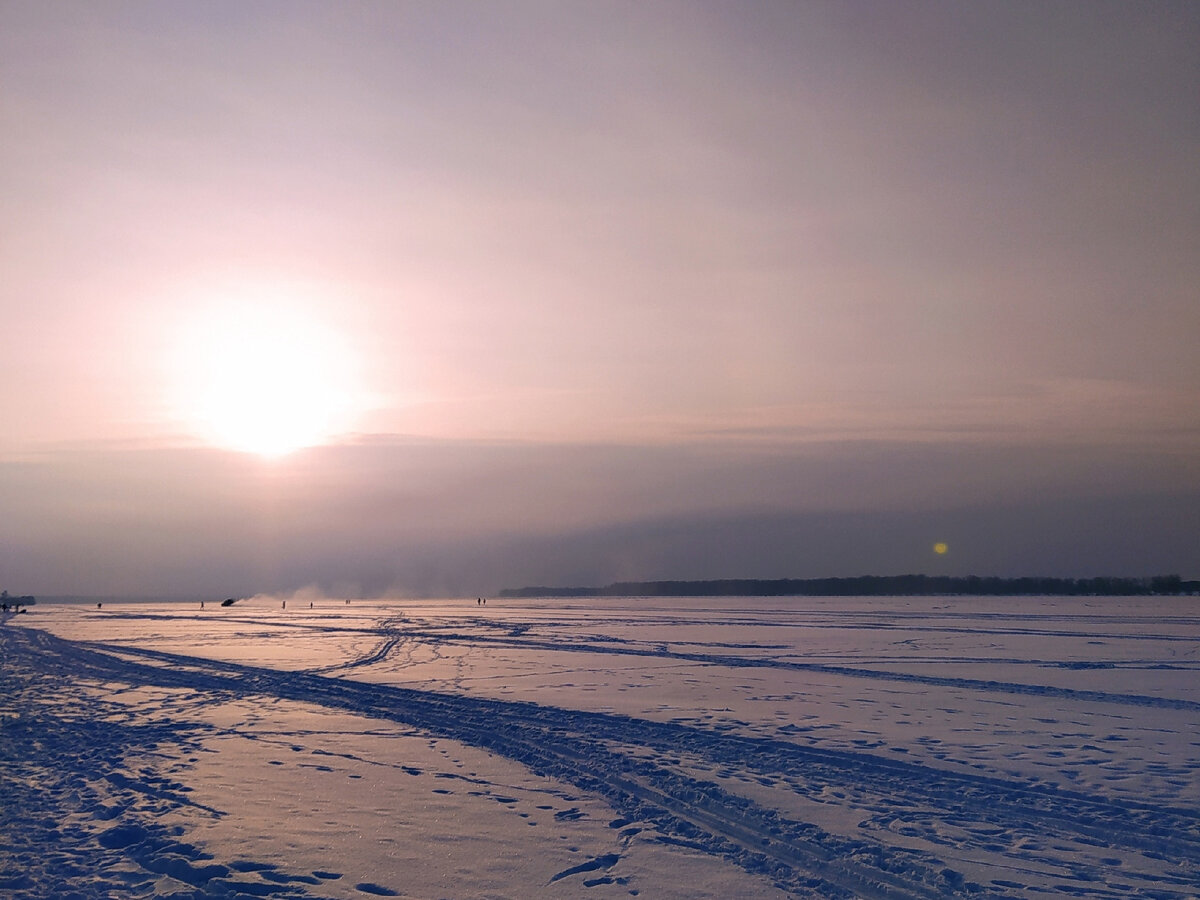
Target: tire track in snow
{"points": [[585, 749], [81, 802], [381, 652], [659, 652], [799, 858]]}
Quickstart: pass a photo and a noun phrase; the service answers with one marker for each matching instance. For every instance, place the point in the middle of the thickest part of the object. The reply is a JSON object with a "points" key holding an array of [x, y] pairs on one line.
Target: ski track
{"points": [[659, 652], [647, 771], [900, 621], [392, 640]]}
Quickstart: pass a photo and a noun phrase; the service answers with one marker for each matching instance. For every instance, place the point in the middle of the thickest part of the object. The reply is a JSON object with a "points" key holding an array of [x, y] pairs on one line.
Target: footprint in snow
{"points": [[607, 861], [378, 890]]}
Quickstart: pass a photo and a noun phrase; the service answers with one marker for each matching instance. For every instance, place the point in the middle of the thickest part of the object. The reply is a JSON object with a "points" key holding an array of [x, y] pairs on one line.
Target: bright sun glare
{"points": [[263, 377]]}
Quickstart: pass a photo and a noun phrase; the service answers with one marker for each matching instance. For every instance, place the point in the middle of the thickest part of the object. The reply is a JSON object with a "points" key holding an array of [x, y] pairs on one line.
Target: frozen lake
{"points": [[683, 748]]}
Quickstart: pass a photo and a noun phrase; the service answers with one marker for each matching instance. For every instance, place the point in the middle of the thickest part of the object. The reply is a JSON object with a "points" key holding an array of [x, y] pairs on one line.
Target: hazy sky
{"points": [[565, 292]]}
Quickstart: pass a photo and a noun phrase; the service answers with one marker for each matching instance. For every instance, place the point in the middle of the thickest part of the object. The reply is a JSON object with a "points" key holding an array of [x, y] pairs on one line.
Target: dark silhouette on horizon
{"points": [[875, 586], [8, 602]]}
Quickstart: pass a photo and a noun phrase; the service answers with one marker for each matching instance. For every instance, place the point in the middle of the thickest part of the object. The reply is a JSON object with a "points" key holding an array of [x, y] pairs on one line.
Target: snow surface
{"points": [[682, 748]]}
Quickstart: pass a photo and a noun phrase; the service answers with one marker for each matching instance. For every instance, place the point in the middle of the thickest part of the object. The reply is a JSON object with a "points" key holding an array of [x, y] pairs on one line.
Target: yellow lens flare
{"points": [[940, 548]]}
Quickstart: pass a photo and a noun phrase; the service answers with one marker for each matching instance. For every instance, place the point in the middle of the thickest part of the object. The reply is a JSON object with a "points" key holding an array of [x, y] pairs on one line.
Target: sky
{"points": [[433, 298]]}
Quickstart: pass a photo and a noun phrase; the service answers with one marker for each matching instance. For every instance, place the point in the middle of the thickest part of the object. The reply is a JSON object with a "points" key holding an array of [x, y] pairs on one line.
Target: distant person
{"points": [[98, 605]]}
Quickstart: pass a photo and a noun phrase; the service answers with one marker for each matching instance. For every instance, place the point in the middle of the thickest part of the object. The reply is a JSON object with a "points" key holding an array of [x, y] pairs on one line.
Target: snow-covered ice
{"points": [[682, 748]]}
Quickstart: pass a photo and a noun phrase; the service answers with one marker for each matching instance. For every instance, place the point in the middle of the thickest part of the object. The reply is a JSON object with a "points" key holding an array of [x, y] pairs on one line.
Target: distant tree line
{"points": [[874, 586]]}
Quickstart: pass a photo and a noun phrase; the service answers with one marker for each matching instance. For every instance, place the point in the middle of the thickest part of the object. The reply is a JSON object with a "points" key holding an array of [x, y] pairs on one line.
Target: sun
{"points": [[262, 376], [941, 548]]}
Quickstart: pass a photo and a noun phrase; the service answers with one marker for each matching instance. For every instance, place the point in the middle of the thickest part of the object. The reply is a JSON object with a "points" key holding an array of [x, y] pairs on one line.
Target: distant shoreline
{"points": [[876, 586]]}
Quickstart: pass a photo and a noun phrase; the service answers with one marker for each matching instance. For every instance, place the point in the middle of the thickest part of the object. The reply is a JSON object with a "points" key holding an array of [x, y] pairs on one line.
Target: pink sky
{"points": [[561, 277]]}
